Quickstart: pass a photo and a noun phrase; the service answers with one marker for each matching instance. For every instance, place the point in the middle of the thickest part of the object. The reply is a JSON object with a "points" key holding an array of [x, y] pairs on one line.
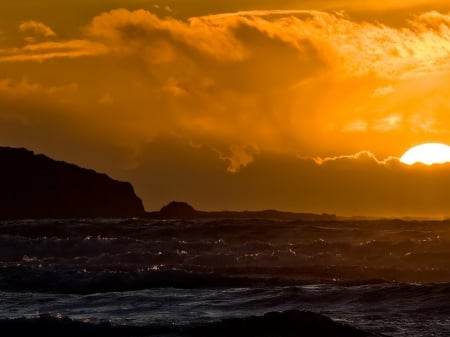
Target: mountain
{"points": [[36, 186], [182, 210]]}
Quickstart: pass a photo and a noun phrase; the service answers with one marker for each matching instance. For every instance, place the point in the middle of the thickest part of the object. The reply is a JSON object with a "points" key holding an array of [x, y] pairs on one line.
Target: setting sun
{"points": [[428, 154]]}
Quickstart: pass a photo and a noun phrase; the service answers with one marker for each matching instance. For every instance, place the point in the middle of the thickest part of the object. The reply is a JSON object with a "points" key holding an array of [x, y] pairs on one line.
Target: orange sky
{"points": [[226, 104]]}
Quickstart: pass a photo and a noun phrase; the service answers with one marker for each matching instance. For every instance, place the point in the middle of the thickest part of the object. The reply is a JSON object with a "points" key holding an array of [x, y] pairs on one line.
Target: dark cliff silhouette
{"points": [[36, 186], [182, 210]]}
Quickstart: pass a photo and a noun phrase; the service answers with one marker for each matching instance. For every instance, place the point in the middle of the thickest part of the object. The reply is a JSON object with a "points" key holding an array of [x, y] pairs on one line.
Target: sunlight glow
{"points": [[428, 154]]}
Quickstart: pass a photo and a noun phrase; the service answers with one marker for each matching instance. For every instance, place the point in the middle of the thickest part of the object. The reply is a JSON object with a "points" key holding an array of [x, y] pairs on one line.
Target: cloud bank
{"points": [[348, 185]]}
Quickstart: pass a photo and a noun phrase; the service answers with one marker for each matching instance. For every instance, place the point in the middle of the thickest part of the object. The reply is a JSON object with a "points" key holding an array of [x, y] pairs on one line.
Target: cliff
{"points": [[36, 186]]}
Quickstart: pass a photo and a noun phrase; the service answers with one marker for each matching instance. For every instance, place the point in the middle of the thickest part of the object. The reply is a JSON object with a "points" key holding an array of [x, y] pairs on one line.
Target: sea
{"points": [[224, 277]]}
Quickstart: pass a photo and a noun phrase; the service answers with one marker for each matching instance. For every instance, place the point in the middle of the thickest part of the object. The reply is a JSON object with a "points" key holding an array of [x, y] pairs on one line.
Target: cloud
{"points": [[388, 123], [52, 50], [357, 184], [383, 91], [359, 48], [362, 155], [159, 39], [50, 119], [356, 126], [36, 30], [306, 82]]}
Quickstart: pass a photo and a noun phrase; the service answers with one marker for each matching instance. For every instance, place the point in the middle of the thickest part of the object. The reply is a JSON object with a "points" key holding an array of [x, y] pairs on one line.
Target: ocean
{"points": [[227, 277]]}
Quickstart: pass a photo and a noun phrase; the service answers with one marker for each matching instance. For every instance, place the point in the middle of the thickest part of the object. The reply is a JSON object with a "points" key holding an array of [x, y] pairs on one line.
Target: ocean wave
{"points": [[84, 282], [275, 324], [394, 251], [81, 281]]}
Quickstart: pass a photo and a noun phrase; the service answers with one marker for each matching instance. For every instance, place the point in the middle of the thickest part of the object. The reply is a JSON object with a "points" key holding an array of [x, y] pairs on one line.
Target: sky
{"points": [[297, 105]]}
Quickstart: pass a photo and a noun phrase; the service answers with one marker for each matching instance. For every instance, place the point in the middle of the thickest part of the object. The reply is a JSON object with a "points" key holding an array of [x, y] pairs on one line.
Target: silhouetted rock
{"points": [[35, 186], [182, 210], [178, 209]]}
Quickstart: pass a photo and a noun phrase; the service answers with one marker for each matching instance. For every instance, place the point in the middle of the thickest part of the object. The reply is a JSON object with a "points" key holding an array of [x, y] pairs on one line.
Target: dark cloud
{"points": [[352, 185]]}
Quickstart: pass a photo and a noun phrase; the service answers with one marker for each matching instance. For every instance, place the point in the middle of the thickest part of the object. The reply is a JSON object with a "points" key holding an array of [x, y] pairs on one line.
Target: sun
{"points": [[428, 154]]}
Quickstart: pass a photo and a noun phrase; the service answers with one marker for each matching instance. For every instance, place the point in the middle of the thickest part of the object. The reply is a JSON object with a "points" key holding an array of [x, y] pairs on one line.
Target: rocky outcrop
{"points": [[36, 186], [179, 210]]}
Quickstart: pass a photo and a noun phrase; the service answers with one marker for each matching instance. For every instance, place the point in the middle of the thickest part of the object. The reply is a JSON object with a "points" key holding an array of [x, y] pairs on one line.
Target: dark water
{"points": [[174, 278]]}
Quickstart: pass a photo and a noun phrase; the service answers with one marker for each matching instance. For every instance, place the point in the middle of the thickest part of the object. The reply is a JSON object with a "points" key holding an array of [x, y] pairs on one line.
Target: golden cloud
{"points": [[307, 82], [362, 155], [52, 50], [36, 30]]}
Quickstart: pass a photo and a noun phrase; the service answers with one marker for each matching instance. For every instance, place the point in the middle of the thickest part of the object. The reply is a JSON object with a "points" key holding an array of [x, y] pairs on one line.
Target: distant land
{"points": [[182, 210], [36, 186]]}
